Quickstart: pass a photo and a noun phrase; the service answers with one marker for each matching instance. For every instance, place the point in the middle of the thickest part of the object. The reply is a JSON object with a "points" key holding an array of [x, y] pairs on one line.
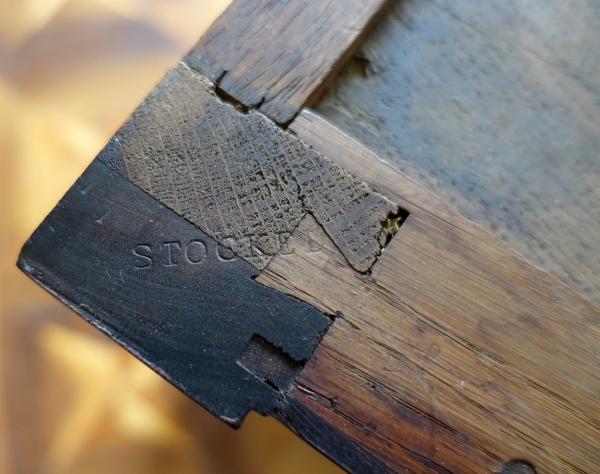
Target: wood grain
{"points": [[493, 106], [330, 440], [455, 355], [239, 177], [276, 56]]}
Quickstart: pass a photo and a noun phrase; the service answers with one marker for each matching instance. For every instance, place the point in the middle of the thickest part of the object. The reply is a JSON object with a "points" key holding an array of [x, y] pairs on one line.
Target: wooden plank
{"points": [[494, 106], [455, 355], [278, 56]]}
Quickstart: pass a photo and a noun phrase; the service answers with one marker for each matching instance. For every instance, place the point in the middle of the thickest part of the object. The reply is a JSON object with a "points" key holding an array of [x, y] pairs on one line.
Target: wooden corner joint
{"points": [[242, 179]]}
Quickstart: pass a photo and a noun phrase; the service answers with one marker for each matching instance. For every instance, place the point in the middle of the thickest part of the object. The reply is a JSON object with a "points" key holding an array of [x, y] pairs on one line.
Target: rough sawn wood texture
{"points": [[276, 55], [455, 354], [239, 177]]}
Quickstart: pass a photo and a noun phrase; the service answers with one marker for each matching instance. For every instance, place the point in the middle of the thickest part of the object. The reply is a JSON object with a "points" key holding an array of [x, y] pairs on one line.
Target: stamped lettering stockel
{"points": [[169, 294], [175, 252]]}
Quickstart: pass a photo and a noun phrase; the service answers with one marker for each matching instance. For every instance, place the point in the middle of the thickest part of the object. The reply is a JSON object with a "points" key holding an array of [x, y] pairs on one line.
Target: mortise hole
{"points": [[269, 363], [391, 225]]}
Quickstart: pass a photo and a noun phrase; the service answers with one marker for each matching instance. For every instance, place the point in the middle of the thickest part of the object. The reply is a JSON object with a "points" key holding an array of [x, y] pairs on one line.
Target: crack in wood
{"points": [[242, 179]]}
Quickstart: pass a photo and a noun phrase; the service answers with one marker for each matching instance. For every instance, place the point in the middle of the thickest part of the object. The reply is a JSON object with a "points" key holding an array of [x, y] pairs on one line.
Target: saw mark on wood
{"points": [[242, 179]]}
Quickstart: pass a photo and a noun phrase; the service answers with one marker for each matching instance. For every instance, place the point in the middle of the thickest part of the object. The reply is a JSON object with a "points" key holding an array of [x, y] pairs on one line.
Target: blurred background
{"points": [[71, 401]]}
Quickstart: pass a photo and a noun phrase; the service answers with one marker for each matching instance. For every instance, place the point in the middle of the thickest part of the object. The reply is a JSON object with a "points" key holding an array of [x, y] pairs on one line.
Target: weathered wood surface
{"points": [[334, 442], [239, 177], [495, 107], [276, 56], [455, 355]]}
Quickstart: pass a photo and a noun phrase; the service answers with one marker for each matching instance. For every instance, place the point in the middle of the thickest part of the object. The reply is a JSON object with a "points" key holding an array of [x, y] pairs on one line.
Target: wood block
{"points": [[277, 56], [239, 177]]}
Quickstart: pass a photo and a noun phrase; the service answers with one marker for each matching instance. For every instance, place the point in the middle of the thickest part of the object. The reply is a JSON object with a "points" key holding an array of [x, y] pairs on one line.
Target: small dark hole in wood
{"points": [[517, 466], [269, 363], [228, 99], [391, 225], [358, 66]]}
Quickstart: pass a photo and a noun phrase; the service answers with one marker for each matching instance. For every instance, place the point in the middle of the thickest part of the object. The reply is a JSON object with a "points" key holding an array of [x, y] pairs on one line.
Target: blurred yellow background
{"points": [[71, 401]]}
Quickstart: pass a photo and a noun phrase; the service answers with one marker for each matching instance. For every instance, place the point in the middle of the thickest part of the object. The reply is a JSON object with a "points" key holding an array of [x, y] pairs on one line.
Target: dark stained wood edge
{"points": [[160, 287], [327, 439]]}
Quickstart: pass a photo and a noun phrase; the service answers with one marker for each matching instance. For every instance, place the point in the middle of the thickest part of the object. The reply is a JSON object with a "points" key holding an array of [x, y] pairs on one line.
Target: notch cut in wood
{"points": [[269, 363]]}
